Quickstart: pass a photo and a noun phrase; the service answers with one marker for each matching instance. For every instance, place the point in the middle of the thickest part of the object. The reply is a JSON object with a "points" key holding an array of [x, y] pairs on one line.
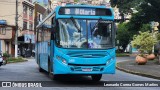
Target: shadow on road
{"points": [[73, 81]]}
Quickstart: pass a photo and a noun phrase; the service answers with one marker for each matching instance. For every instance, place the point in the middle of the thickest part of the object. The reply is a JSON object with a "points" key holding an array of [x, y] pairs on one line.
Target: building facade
{"points": [[26, 36]]}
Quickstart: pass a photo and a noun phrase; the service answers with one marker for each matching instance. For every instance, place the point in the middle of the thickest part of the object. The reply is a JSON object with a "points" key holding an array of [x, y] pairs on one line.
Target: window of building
{"points": [[30, 12], [25, 9], [30, 26], [7, 46], [3, 30], [24, 25]]}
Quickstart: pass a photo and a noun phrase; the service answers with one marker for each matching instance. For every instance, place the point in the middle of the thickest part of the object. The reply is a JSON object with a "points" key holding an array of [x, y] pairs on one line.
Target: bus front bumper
{"points": [[60, 68]]}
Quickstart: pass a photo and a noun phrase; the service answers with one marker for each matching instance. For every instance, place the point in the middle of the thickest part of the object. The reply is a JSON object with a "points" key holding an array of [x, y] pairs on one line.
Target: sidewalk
{"points": [[27, 58], [151, 69]]}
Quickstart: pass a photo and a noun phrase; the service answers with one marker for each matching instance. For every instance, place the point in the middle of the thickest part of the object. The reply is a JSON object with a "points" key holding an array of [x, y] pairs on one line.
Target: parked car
{"points": [[2, 61]]}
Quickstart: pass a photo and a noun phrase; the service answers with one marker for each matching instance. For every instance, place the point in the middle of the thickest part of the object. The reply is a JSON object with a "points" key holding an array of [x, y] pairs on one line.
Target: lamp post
{"points": [[16, 30]]}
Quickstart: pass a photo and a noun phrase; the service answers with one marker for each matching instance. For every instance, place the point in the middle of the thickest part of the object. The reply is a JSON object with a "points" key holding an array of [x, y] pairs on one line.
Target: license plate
{"points": [[86, 69]]}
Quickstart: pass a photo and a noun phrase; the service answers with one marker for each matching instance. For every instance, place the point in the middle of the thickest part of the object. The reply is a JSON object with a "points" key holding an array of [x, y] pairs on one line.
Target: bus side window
{"points": [[53, 21], [52, 36], [53, 29]]}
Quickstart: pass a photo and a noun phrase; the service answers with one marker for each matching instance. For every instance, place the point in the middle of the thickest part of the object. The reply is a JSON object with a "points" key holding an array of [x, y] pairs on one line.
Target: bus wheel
{"points": [[96, 77], [51, 75], [39, 65], [40, 69]]}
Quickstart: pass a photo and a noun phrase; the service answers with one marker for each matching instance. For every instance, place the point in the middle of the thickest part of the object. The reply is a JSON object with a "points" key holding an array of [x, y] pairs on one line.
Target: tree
{"points": [[144, 42], [147, 11], [76, 0], [126, 6], [123, 35], [145, 27]]}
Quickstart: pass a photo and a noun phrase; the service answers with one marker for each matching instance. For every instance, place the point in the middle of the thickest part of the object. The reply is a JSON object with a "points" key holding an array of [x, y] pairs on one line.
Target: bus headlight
{"points": [[61, 59], [108, 61], [64, 61]]}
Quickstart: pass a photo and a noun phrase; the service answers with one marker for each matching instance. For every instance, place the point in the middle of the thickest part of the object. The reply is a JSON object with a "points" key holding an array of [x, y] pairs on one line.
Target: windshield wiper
{"points": [[95, 24], [94, 27], [75, 24]]}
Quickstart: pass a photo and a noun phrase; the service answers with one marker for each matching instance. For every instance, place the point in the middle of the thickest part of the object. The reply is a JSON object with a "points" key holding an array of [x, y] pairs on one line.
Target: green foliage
{"points": [[122, 54], [123, 35], [148, 10], [144, 42], [6, 55], [136, 24], [13, 59], [126, 5], [158, 36], [76, 0], [145, 27]]}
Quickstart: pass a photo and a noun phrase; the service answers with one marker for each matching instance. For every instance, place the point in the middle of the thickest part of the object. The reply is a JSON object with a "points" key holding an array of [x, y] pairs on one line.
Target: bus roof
{"points": [[55, 11], [88, 6]]}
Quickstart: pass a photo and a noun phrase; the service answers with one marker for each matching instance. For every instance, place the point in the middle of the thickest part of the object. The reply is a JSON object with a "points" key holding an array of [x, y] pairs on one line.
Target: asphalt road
{"points": [[28, 71]]}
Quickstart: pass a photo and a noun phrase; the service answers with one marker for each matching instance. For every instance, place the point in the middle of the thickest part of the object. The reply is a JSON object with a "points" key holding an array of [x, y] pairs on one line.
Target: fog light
{"points": [[72, 68], [101, 69]]}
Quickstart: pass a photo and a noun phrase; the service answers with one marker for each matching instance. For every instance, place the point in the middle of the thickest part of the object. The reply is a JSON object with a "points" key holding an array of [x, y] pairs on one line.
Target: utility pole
{"points": [[16, 31]]}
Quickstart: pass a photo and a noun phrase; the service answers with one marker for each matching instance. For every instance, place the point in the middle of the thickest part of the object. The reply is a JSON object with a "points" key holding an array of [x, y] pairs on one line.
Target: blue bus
{"points": [[77, 39]]}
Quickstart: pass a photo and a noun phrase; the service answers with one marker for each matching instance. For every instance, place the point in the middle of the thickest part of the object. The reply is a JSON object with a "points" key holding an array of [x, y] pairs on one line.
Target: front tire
{"points": [[96, 77], [39, 65], [40, 69], [51, 74]]}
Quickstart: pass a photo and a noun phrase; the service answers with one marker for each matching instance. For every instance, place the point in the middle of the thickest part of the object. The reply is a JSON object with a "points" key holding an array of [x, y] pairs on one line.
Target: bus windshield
{"points": [[84, 33]]}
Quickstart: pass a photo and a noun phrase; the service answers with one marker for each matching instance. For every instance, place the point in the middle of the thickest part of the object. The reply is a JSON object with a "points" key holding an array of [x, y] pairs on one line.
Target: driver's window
{"points": [[105, 32]]}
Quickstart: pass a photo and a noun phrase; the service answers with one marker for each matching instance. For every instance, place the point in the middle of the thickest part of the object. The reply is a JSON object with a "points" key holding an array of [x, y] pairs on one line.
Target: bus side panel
{"points": [[36, 52], [37, 57], [43, 55], [51, 56]]}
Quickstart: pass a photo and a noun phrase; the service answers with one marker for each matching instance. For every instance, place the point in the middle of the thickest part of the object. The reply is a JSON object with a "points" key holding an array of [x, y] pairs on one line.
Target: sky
{"points": [[42, 2]]}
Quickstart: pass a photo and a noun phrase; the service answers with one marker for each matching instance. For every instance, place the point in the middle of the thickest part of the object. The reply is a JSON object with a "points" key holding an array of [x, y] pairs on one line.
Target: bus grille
{"points": [[86, 64], [87, 54], [93, 68]]}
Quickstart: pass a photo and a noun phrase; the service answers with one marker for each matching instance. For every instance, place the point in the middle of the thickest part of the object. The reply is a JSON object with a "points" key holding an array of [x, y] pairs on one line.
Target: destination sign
{"points": [[80, 11], [85, 11]]}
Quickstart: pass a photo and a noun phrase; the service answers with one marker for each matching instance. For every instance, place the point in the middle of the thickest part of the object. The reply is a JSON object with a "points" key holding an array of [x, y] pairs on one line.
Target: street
{"points": [[28, 71], [82, 36]]}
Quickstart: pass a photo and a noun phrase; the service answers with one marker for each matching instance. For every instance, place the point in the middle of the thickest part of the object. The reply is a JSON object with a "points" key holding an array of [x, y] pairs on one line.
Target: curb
{"points": [[135, 72], [17, 62]]}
